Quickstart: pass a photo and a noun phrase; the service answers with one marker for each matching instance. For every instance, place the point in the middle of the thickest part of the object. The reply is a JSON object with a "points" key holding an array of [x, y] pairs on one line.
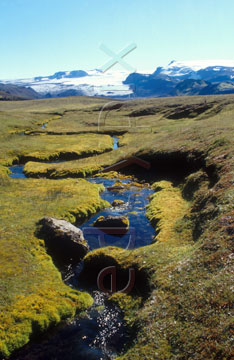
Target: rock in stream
{"points": [[64, 241]]}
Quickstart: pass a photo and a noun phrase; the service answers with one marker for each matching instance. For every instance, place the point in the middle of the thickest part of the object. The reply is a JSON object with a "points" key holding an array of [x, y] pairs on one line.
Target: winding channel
{"points": [[101, 334]]}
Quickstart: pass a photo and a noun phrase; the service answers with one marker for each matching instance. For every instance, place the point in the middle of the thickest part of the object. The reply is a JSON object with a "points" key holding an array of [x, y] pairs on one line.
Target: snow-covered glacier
{"points": [[120, 83]]}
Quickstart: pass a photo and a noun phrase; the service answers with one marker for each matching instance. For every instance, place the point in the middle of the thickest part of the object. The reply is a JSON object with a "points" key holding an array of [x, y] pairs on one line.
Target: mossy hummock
{"points": [[33, 296]]}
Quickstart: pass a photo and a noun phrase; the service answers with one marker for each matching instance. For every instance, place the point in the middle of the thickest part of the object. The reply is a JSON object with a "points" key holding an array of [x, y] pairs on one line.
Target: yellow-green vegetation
{"points": [[165, 210], [87, 166], [133, 212], [125, 221], [77, 168], [23, 148], [133, 184], [114, 175], [182, 302], [4, 172], [75, 115], [117, 202], [128, 304], [114, 222], [32, 294]]}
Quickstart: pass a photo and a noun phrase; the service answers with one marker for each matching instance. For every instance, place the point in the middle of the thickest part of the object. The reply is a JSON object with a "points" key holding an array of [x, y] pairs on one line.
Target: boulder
{"points": [[114, 225], [116, 188], [65, 242], [117, 203]]}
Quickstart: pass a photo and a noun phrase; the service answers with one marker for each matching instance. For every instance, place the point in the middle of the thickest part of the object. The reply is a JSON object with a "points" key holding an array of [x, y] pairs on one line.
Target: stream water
{"points": [[135, 199], [17, 172], [116, 140], [101, 333], [43, 126]]}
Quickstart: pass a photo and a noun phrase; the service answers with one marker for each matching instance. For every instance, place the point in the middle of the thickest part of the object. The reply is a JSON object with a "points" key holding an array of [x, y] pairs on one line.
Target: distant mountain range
{"points": [[179, 78], [77, 83], [15, 92], [185, 78]]}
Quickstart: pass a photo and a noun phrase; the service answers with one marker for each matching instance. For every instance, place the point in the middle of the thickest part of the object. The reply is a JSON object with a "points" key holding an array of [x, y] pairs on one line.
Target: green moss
{"points": [[193, 182], [33, 296], [129, 306], [133, 212], [220, 141], [113, 175], [166, 207], [32, 315], [4, 172], [78, 168], [98, 259], [117, 202], [47, 148]]}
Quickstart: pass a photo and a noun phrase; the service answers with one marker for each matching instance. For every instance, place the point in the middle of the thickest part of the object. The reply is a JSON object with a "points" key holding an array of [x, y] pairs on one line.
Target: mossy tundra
{"points": [[182, 304], [33, 296]]}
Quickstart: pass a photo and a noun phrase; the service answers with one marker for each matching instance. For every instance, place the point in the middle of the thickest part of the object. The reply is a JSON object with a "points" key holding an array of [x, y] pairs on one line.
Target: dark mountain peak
{"points": [[217, 73], [158, 70], [185, 78], [172, 62], [63, 74], [15, 92], [134, 78], [77, 73], [68, 74]]}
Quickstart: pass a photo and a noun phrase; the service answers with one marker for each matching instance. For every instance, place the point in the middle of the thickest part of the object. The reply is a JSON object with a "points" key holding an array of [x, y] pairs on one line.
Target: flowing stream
{"points": [[43, 126], [135, 199], [17, 172], [116, 140], [100, 334]]}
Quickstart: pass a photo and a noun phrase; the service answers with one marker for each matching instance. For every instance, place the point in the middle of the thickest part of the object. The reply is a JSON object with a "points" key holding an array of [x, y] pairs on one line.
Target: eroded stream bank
{"points": [[100, 333], [17, 170]]}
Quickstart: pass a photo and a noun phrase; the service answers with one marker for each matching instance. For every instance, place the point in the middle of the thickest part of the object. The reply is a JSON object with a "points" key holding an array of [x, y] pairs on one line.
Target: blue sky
{"points": [[40, 37]]}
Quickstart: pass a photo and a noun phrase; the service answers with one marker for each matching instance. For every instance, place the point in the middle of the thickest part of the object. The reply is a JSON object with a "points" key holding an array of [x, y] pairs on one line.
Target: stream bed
{"points": [[100, 334], [135, 200]]}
